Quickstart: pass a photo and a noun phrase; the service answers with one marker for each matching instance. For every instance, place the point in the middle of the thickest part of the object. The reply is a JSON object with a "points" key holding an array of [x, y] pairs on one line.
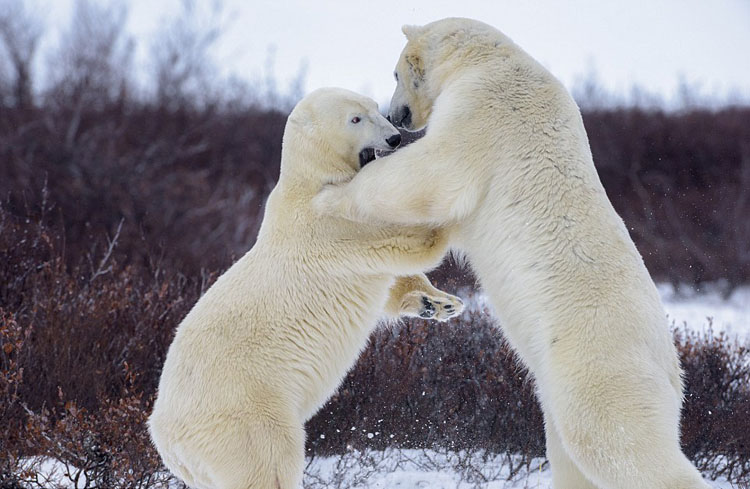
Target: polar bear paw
{"points": [[438, 306]]}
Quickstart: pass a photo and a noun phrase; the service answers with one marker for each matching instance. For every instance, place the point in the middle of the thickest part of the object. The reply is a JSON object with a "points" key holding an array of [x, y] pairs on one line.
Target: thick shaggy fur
{"points": [[270, 341], [506, 163]]}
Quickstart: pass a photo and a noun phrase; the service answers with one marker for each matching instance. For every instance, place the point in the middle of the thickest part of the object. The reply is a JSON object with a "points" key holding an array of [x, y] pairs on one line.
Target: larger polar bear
{"points": [[270, 341], [506, 161]]}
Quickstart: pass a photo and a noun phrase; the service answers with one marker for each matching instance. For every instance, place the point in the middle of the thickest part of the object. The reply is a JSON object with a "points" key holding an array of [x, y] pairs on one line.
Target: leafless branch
{"points": [[104, 267]]}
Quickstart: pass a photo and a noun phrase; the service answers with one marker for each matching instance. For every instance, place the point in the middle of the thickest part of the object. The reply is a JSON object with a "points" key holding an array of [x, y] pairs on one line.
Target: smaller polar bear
{"points": [[270, 341], [505, 163]]}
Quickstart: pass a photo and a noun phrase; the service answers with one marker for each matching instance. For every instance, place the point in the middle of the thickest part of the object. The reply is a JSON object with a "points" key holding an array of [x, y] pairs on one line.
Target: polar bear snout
{"points": [[385, 140], [401, 116], [394, 140]]}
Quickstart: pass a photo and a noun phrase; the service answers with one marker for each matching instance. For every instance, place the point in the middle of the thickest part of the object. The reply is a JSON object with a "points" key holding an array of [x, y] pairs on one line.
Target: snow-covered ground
{"points": [[409, 469], [389, 469], [693, 308], [416, 469]]}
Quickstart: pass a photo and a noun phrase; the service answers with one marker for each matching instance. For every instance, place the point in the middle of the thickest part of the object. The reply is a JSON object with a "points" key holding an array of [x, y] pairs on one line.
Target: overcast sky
{"points": [[355, 43]]}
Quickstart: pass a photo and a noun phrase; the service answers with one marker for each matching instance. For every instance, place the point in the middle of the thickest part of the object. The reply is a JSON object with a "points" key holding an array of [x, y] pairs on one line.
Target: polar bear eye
{"points": [[355, 120], [395, 75]]}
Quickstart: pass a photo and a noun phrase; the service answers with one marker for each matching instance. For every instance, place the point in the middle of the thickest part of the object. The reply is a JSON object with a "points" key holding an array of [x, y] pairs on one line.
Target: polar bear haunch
{"points": [[573, 295], [270, 341]]}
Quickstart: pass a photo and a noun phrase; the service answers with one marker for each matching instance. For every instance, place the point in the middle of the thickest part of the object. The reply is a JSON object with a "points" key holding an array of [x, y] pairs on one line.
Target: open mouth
{"points": [[365, 156], [369, 154]]}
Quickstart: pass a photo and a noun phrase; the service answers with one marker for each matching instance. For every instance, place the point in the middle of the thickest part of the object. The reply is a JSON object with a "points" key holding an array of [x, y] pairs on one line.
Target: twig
{"points": [[111, 243]]}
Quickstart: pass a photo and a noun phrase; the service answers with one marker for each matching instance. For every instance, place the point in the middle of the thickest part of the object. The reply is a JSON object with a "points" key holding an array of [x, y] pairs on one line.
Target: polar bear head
{"points": [[347, 127], [434, 54]]}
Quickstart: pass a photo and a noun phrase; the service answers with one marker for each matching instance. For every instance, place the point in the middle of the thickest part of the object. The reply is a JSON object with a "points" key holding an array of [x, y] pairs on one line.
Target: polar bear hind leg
{"points": [[626, 444], [565, 473], [658, 468], [254, 455]]}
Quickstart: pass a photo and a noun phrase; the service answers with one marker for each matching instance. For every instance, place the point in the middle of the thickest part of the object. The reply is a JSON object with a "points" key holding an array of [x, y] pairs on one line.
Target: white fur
{"points": [[506, 162], [269, 342]]}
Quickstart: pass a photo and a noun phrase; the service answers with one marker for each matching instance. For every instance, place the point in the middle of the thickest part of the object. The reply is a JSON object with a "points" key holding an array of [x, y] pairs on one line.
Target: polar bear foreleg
{"points": [[414, 296], [404, 251], [409, 187]]}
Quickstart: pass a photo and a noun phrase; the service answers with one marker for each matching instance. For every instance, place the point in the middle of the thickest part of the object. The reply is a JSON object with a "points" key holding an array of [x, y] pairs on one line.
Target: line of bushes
{"points": [[190, 184]]}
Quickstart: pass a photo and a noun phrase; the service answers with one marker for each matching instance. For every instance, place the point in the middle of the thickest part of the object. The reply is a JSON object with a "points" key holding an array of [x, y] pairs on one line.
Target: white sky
{"points": [[355, 43]]}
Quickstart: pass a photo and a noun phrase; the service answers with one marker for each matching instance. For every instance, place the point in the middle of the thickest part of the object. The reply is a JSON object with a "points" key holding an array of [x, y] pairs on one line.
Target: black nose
{"points": [[394, 140], [405, 117]]}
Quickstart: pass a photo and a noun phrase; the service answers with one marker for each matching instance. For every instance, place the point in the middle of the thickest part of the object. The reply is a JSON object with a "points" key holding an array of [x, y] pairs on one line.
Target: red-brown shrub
{"points": [[83, 323], [717, 402], [681, 182]]}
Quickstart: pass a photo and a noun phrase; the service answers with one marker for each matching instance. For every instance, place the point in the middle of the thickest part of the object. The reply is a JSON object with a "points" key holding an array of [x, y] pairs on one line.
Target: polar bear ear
{"points": [[411, 31]]}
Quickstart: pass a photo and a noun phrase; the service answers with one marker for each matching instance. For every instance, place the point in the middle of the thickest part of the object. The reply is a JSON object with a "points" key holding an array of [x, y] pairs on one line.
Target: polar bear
{"points": [[506, 162], [270, 341]]}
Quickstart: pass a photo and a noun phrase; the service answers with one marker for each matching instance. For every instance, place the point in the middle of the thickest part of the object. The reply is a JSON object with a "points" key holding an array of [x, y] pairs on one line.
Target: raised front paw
{"points": [[440, 307]]}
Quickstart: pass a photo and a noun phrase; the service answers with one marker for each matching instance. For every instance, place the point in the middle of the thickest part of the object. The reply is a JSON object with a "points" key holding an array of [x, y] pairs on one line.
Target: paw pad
{"points": [[428, 308]]}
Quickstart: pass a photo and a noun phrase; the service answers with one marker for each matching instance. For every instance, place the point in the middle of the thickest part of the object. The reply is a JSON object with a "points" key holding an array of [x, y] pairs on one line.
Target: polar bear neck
{"points": [[309, 161]]}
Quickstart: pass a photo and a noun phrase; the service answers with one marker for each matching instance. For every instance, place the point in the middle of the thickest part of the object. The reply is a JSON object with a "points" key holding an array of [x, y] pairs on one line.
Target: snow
{"points": [[422, 468], [49, 472], [400, 469], [415, 469], [691, 307]]}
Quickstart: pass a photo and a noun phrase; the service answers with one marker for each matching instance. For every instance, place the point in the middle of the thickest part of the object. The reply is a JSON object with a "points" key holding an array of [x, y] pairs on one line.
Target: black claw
{"points": [[429, 308]]}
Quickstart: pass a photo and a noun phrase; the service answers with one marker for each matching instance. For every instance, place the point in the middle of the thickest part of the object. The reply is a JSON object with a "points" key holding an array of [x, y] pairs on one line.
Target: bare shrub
{"points": [[182, 65], [83, 346], [423, 384], [715, 428], [12, 339], [90, 66], [20, 33], [108, 447], [680, 181], [69, 388], [473, 468], [95, 318]]}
